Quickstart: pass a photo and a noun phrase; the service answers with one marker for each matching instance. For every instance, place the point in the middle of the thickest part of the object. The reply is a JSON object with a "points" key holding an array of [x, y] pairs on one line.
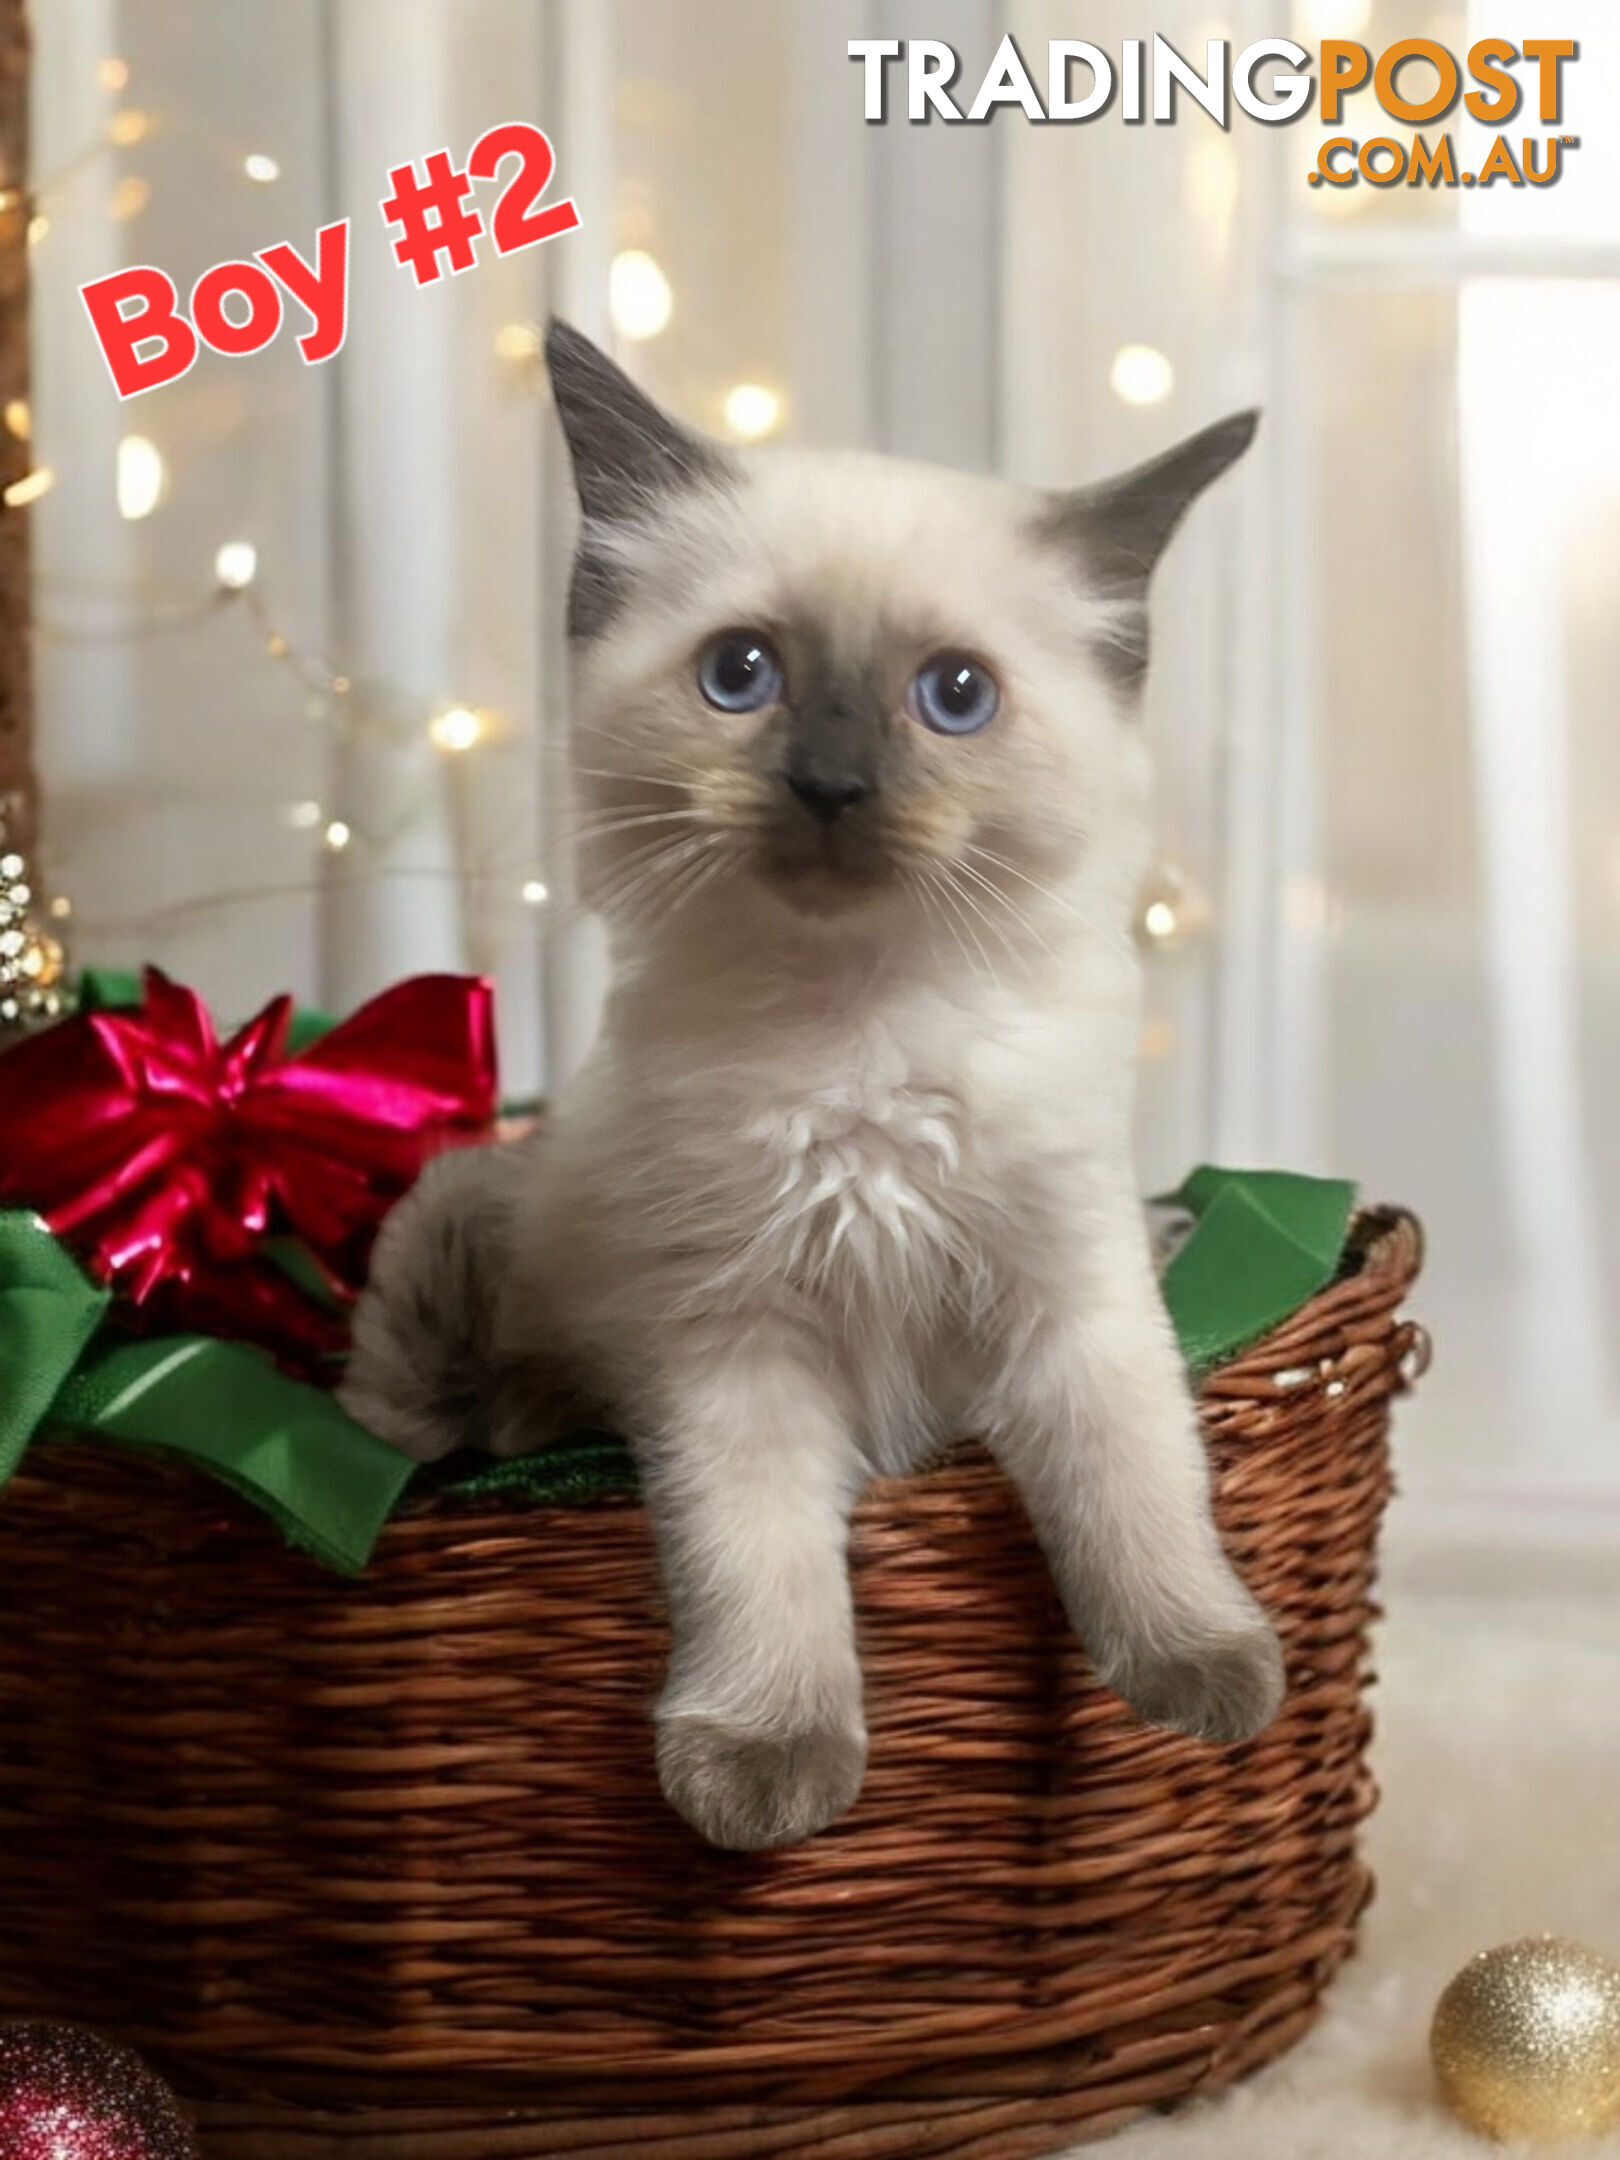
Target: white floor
{"points": [[1499, 1753]]}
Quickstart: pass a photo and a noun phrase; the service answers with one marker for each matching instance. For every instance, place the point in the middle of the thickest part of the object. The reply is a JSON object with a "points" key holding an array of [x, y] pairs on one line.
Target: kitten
{"points": [[849, 1169]]}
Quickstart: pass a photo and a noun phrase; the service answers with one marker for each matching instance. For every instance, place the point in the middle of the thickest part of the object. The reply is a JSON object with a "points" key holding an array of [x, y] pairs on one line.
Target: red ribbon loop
{"points": [[166, 1159]]}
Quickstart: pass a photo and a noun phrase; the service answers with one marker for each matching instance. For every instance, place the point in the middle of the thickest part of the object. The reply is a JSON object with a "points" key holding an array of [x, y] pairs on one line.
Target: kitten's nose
{"points": [[828, 795]]}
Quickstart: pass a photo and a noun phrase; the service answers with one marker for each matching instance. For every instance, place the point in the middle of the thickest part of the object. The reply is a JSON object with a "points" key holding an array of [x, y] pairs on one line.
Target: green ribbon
{"points": [[287, 1447], [48, 1313], [291, 1449], [1263, 1242]]}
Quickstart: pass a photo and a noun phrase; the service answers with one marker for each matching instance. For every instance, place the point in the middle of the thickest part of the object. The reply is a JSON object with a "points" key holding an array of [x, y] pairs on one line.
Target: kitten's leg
{"points": [[750, 1477], [425, 1370], [1091, 1417], [421, 1331]]}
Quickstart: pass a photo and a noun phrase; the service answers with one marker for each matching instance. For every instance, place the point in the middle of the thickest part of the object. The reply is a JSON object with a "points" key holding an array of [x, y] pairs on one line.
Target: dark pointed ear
{"points": [[627, 453], [1120, 529]]}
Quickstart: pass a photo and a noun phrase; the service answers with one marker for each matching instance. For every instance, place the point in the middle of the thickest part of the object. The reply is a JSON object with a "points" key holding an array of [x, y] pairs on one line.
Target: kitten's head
{"points": [[840, 682]]}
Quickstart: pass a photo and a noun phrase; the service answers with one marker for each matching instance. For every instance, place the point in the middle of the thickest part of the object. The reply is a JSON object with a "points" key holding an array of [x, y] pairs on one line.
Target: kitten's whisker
{"points": [[664, 879], [643, 865], [1061, 900], [963, 899], [658, 864], [670, 892], [630, 779], [1020, 916], [562, 757], [950, 913], [605, 828], [706, 874], [643, 851], [1004, 924], [1100, 930], [581, 738]]}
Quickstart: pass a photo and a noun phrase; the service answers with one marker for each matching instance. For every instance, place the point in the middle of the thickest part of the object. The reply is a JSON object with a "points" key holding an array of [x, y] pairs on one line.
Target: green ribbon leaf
{"points": [[1265, 1241], [99, 989], [289, 1448], [49, 1310]]}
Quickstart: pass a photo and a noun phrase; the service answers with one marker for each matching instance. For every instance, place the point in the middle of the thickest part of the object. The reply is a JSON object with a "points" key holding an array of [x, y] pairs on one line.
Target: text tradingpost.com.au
{"points": [[1414, 82]]}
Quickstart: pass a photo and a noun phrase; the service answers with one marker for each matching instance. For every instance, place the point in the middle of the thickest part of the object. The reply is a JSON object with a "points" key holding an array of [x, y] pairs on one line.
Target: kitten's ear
{"points": [[627, 454], [1120, 529], [626, 450]]}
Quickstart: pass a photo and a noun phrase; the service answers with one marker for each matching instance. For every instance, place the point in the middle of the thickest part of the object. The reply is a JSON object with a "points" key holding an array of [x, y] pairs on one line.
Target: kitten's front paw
{"points": [[1225, 1689], [749, 1791]]}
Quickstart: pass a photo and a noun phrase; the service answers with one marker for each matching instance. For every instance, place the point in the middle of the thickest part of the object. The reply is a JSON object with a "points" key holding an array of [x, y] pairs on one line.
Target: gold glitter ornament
{"points": [[1526, 2041]]}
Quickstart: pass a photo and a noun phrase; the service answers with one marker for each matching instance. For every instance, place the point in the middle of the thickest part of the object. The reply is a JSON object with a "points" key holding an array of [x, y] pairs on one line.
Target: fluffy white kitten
{"points": [[849, 1170]]}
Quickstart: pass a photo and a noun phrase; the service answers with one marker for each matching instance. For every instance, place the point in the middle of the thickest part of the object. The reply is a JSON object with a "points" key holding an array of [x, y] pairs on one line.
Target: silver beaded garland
{"points": [[33, 965]]}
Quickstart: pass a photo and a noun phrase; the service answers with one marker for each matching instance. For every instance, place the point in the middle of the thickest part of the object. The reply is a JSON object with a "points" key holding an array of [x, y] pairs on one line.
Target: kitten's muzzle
{"points": [[826, 839], [828, 795]]}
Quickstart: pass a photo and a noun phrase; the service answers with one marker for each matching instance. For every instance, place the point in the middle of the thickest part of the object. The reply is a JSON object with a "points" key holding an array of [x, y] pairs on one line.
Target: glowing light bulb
{"points": [[752, 411], [19, 419], [337, 836], [1159, 919], [535, 893], [639, 296], [517, 341], [261, 169], [113, 74], [143, 478], [236, 565], [129, 126], [38, 226], [1141, 375], [130, 197], [29, 488], [456, 730], [305, 816]]}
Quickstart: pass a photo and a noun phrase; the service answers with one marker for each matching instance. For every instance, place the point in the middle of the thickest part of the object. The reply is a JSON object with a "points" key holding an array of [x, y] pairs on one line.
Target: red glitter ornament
{"points": [[66, 2094]]}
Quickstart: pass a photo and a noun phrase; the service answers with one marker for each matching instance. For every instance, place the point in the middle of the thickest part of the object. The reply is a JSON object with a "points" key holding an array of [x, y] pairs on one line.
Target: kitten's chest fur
{"points": [[852, 1196], [860, 1191], [867, 1164]]}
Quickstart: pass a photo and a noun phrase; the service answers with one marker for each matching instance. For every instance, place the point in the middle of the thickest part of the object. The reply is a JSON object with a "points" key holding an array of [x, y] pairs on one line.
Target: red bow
{"points": [[166, 1159]]}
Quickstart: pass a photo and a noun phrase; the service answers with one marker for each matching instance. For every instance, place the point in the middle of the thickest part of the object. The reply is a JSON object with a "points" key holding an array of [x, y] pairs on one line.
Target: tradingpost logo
{"points": [[1417, 83]]}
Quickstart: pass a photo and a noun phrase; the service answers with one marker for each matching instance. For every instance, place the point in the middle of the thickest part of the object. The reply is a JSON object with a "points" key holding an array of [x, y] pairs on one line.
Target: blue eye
{"points": [[739, 672], [954, 695]]}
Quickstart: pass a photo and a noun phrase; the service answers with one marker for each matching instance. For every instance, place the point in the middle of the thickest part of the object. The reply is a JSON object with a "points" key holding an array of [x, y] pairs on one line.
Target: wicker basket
{"points": [[382, 1870]]}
